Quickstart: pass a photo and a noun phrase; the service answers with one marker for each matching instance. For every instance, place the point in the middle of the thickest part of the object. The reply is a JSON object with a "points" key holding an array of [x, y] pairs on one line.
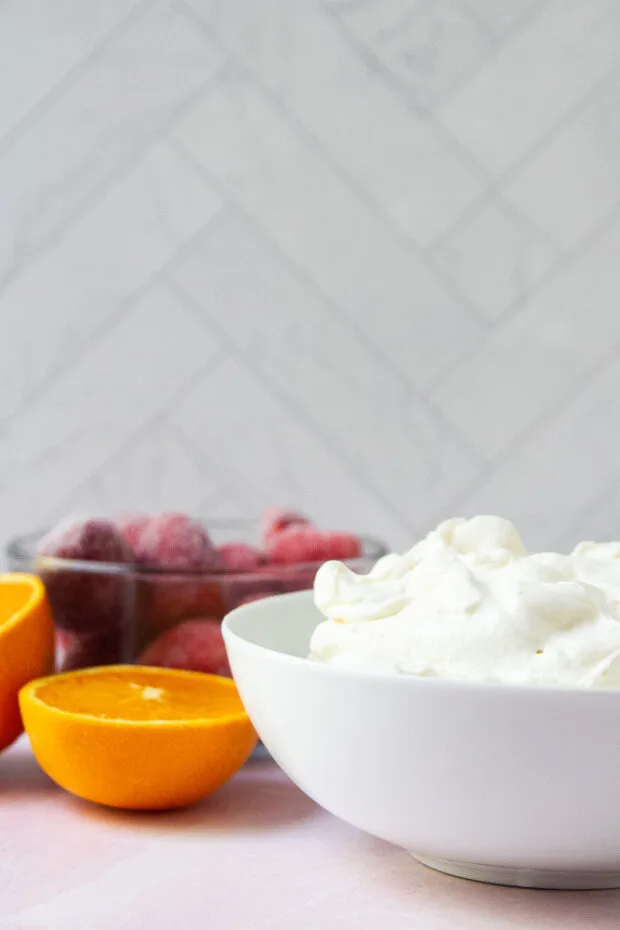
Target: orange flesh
{"points": [[135, 695], [135, 737]]}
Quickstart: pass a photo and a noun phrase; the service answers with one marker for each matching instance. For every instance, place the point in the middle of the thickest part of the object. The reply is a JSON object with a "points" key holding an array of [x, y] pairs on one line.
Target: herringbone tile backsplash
{"points": [[359, 256]]}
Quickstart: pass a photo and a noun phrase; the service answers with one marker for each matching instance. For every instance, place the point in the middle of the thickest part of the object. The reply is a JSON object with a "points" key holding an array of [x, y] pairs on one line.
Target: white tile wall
{"points": [[359, 256], [44, 47], [534, 81], [347, 246], [567, 463], [427, 46], [522, 254], [572, 184], [543, 355], [128, 92]]}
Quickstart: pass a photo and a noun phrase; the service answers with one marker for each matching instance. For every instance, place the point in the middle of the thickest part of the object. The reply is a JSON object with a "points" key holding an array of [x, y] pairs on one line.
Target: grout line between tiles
{"points": [[111, 321], [44, 103], [315, 146], [120, 171]]}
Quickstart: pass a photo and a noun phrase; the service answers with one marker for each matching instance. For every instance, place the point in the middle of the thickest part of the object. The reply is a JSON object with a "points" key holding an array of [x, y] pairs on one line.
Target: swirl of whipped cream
{"points": [[468, 602]]}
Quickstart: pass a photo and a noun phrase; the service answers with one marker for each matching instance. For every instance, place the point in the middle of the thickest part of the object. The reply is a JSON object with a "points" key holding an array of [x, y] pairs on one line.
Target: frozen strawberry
{"points": [[88, 649], [89, 540], [239, 557], [299, 544], [171, 598], [175, 541], [252, 586], [195, 645], [277, 519], [339, 545], [131, 526], [253, 597], [87, 598], [300, 577]]}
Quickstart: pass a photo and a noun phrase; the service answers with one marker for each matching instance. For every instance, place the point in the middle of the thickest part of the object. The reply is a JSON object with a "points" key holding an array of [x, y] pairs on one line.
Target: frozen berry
{"points": [[299, 577], [239, 557], [171, 598], [339, 545], [175, 541], [131, 526], [90, 540], [195, 645], [263, 583], [306, 544], [277, 519], [88, 649], [87, 598], [253, 597]]}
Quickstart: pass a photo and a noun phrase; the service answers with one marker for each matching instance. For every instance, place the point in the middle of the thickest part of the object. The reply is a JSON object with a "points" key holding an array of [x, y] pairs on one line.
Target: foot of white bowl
{"points": [[523, 878]]}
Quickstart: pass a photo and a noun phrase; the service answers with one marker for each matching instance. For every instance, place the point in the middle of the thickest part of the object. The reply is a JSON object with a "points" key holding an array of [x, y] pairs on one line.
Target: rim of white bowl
{"points": [[524, 690]]}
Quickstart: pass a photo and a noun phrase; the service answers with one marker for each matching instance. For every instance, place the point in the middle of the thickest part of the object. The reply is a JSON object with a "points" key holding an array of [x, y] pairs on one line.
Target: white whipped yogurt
{"points": [[468, 602]]}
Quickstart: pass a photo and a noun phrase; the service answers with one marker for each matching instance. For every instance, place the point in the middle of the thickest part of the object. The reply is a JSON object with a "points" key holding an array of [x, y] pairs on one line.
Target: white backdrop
{"points": [[362, 257]]}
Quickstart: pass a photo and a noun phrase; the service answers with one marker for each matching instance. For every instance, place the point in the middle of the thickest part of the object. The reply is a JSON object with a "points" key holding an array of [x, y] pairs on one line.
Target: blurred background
{"points": [[358, 257]]}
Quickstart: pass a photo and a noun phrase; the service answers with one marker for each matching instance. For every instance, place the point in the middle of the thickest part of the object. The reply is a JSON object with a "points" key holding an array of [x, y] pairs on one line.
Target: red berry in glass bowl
{"points": [[85, 650], [86, 539], [251, 598], [170, 598], [239, 557], [175, 541], [131, 527], [195, 645], [302, 544], [277, 519], [85, 597]]}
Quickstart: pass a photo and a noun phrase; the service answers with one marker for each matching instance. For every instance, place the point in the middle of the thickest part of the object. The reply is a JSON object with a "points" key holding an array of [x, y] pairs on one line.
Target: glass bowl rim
{"points": [[22, 548]]}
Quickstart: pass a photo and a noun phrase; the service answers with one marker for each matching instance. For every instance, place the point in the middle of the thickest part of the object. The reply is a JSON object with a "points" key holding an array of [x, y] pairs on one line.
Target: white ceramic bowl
{"points": [[514, 785]]}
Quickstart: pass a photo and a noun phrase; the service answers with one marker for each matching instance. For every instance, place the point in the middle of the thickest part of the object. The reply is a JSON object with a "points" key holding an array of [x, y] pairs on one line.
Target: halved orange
{"points": [[137, 737], [26, 645]]}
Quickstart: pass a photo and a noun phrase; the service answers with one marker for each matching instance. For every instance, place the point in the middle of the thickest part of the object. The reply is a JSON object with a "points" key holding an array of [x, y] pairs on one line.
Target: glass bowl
{"points": [[107, 613]]}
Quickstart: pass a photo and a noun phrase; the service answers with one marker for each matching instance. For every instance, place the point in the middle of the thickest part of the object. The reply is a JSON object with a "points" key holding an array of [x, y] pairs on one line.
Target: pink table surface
{"points": [[258, 854]]}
